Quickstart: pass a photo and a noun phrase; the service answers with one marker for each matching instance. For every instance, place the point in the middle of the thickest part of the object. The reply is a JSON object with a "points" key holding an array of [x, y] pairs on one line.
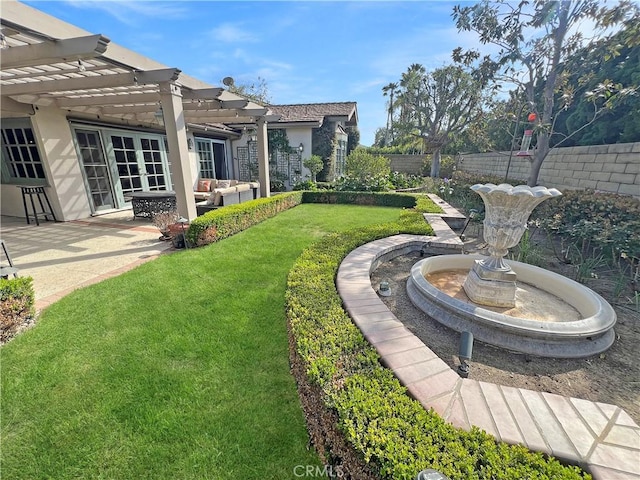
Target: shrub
{"points": [[591, 223], [16, 305], [362, 198], [306, 185], [400, 180], [365, 172], [224, 222], [314, 164], [387, 433]]}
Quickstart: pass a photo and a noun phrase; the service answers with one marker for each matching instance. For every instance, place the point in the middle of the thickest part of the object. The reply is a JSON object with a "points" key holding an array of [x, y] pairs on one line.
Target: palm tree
{"points": [[390, 90]]}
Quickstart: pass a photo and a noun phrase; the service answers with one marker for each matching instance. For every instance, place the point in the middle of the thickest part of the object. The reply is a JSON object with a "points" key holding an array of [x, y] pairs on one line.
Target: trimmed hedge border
{"points": [[224, 222], [359, 416]]}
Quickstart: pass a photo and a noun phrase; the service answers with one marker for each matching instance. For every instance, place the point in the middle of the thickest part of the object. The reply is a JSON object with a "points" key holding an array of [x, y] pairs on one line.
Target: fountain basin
{"points": [[591, 333]]}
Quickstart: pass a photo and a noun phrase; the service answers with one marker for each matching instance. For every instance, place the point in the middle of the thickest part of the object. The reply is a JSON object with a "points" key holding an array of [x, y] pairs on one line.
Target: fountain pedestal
{"points": [[491, 287]]}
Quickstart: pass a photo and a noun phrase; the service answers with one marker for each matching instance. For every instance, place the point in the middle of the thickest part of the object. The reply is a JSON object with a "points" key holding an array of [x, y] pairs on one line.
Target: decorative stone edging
{"points": [[599, 437]]}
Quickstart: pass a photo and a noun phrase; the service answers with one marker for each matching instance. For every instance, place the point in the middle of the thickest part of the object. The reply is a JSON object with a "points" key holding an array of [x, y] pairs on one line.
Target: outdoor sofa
{"points": [[212, 193]]}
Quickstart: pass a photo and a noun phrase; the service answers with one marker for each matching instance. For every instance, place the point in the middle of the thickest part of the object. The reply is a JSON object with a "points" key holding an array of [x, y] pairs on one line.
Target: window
{"points": [[20, 156]]}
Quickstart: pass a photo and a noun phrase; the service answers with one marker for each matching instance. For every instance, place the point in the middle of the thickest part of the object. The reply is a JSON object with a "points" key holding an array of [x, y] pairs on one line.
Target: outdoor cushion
{"points": [[204, 185], [223, 184], [242, 187]]}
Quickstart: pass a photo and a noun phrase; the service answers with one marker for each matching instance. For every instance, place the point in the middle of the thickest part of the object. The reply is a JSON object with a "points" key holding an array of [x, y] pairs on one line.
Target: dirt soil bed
{"points": [[612, 377]]}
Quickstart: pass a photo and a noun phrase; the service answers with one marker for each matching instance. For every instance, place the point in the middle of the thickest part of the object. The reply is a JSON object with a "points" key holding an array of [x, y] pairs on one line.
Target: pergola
{"points": [[47, 62]]}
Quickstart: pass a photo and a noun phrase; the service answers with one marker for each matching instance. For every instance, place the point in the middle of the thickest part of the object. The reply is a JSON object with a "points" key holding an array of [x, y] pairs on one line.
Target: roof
{"points": [[316, 112], [48, 62]]}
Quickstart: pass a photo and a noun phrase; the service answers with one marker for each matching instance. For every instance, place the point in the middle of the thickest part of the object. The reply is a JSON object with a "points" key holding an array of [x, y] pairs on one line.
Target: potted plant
{"points": [[163, 221]]}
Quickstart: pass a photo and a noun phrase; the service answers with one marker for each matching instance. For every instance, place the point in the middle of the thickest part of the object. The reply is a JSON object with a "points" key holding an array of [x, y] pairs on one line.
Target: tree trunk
{"points": [[435, 163], [540, 153]]}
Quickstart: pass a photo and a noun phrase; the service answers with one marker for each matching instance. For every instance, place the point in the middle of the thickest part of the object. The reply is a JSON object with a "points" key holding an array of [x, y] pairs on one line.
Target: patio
{"points": [[64, 256]]}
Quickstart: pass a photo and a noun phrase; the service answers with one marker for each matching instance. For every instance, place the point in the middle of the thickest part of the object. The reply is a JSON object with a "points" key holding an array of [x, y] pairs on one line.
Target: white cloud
{"points": [[132, 12], [232, 33]]}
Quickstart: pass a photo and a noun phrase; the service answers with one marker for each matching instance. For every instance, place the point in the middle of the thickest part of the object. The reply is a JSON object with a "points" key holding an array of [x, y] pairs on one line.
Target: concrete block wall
{"points": [[406, 163], [609, 168]]}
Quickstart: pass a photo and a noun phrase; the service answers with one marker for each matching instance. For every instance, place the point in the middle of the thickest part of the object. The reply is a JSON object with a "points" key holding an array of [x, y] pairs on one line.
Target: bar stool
{"points": [[38, 191], [5, 271]]}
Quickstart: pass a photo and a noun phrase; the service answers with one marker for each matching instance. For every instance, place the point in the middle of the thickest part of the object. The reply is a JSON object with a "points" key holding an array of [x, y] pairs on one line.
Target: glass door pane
{"points": [[220, 160], [95, 169], [153, 165], [205, 159], [124, 151]]}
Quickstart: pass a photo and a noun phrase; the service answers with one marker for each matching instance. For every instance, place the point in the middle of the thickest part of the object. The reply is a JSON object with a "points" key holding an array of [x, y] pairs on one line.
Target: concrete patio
{"points": [[64, 256]]}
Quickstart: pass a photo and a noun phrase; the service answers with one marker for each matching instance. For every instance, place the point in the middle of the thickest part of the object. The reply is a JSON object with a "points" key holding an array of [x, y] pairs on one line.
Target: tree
{"points": [[535, 42], [437, 106], [390, 90], [256, 91], [314, 163]]}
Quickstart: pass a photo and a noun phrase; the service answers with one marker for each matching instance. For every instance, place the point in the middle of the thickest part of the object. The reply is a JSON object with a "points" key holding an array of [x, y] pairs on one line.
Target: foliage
{"points": [[306, 185], [592, 224], [353, 138], [224, 222], [221, 223], [591, 67], [535, 48], [365, 172], [17, 300], [390, 432], [314, 164], [433, 108], [398, 200], [400, 180], [162, 220], [256, 91], [323, 140]]}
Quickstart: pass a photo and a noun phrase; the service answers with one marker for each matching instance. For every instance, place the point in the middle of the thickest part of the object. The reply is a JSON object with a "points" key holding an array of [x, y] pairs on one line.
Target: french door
{"points": [[118, 162], [95, 169], [212, 158], [141, 162]]}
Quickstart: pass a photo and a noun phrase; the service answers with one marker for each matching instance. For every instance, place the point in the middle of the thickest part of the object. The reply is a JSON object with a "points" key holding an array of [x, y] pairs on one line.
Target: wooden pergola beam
{"points": [[56, 51], [93, 82], [202, 93], [112, 99], [8, 104]]}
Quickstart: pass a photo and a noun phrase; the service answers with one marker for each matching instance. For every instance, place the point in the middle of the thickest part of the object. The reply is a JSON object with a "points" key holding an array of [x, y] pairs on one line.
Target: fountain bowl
{"points": [[589, 334]]}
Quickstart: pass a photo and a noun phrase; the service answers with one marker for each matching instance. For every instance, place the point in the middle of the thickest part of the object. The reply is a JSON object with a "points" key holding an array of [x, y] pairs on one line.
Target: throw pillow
{"points": [[204, 186], [223, 184]]}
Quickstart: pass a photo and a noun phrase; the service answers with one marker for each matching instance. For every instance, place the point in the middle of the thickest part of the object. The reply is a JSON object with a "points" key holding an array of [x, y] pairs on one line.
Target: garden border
{"points": [[599, 437]]}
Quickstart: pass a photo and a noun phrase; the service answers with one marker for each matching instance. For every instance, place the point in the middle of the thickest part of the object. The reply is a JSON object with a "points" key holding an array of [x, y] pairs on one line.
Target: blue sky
{"points": [[306, 51]]}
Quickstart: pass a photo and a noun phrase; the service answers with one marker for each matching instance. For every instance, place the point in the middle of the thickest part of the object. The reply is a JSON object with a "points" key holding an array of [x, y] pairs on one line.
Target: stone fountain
{"points": [[542, 313], [491, 281]]}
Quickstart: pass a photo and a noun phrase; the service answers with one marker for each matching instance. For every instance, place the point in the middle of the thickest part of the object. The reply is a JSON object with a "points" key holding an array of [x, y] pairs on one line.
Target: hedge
{"points": [[359, 415], [224, 222]]}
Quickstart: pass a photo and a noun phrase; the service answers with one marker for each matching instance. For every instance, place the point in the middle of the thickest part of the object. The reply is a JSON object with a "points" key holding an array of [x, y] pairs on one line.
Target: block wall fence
{"points": [[610, 168]]}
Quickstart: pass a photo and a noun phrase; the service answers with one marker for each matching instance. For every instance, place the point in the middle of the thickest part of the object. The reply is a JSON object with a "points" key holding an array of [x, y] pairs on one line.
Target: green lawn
{"points": [[175, 370]]}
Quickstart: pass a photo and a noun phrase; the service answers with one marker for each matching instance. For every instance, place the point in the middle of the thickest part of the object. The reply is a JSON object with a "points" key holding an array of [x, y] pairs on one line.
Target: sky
{"points": [[306, 51]]}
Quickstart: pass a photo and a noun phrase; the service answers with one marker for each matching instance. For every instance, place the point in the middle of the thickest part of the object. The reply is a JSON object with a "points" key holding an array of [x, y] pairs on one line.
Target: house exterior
{"points": [[92, 122], [311, 129]]}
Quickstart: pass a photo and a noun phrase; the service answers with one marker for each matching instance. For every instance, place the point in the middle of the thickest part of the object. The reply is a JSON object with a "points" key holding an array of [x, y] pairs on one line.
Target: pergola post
{"points": [[175, 127], [263, 158]]}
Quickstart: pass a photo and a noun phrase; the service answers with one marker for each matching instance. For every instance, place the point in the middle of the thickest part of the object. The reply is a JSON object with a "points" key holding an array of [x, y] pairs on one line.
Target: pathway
{"points": [[601, 438]]}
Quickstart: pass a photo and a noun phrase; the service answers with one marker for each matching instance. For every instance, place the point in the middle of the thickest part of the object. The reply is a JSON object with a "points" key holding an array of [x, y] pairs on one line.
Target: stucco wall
{"points": [[610, 168]]}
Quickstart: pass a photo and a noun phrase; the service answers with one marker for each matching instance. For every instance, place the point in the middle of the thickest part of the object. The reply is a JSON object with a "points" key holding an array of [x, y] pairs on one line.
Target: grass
{"points": [[177, 369]]}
